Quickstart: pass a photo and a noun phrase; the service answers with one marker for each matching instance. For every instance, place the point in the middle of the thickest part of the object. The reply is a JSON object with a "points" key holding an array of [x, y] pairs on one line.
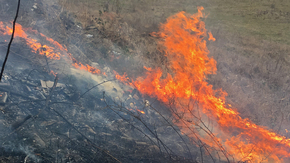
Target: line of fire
{"points": [[72, 96]]}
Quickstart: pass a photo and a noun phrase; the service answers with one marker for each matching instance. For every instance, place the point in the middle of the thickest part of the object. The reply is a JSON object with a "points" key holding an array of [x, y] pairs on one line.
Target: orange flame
{"points": [[148, 68], [53, 73], [183, 38], [123, 78], [88, 68], [210, 37], [46, 50], [140, 111]]}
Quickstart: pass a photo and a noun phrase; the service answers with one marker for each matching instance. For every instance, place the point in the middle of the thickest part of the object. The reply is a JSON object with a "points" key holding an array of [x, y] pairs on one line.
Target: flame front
{"points": [[46, 50], [57, 52], [183, 38]]}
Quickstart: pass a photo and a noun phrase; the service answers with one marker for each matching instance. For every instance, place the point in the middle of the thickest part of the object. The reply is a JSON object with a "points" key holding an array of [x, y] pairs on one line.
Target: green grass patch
{"points": [[266, 20]]}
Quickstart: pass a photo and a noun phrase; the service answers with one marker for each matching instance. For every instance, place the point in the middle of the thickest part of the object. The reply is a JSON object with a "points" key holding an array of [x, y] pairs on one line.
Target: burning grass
{"points": [[186, 89], [183, 38], [46, 50]]}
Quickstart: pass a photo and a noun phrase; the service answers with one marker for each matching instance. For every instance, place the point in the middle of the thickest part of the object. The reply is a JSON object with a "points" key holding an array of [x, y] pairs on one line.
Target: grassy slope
{"points": [[265, 19], [251, 48]]}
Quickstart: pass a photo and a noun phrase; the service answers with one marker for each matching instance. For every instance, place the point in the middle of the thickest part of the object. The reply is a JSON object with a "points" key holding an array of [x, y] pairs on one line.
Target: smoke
{"points": [[29, 151], [24, 151], [189, 100]]}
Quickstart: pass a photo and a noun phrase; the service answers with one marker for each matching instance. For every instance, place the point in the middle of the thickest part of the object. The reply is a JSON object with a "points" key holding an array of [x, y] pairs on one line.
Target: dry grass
{"points": [[266, 19], [251, 49]]}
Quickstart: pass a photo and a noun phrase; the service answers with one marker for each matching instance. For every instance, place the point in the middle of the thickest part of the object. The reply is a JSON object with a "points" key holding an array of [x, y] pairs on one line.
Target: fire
{"points": [[133, 110], [183, 40], [53, 73], [56, 53], [185, 89], [211, 38], [50, 52], [88, 68], [140, 111], [122, 78]]}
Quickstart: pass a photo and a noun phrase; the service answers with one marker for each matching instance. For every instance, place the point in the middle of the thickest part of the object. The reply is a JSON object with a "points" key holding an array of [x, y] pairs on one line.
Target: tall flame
{"points": [[183, 41], [186, 90]]}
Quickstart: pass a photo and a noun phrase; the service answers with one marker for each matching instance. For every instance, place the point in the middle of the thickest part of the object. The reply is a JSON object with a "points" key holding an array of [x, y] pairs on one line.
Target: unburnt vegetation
{"points": [[251, 50]]}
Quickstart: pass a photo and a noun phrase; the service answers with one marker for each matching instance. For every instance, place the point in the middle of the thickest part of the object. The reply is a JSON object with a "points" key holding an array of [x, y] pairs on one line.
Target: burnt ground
{"points": [[63, 123], [253, 71], [74, 120], [251, 47]]}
